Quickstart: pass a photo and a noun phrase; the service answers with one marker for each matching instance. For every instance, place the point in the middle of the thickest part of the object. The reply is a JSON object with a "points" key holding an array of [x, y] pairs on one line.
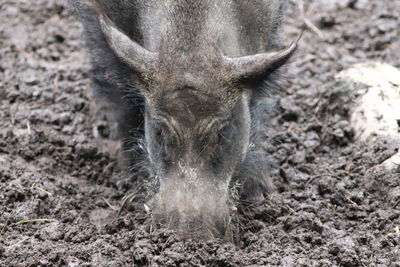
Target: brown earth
{"points": [[329, 208]]}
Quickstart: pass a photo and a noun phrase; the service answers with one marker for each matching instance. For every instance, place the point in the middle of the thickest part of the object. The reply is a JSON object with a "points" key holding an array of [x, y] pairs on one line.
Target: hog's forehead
{"points": [[196, 103]]}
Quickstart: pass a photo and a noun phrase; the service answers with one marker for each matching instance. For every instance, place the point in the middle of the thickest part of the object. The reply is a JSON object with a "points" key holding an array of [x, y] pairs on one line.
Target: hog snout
{"points": [[191, 204]]}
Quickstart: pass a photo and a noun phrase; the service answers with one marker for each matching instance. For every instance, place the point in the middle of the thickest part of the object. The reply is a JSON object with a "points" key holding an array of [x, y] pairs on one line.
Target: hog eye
{"points": [[224, 133], [163, 140], [158, 134], [164, 136]]}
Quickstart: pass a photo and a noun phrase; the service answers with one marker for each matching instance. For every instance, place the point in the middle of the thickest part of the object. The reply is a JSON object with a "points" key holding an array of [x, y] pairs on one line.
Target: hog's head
{"points": [[197, 120]]}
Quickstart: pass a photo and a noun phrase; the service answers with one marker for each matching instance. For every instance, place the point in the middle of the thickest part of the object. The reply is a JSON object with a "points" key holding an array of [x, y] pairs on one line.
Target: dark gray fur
{"points": [[196, 106]]}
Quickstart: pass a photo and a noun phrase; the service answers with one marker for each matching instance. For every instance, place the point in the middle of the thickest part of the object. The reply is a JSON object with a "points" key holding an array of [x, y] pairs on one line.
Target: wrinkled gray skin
{"points": [[193, 74]]}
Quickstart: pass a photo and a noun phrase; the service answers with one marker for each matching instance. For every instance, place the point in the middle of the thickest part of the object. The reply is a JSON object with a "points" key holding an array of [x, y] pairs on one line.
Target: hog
{"points": [[189, 81]]}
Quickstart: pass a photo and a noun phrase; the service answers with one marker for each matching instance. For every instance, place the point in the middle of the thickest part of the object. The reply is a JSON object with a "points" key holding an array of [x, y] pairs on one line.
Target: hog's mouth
{"points": [[193, 209]]}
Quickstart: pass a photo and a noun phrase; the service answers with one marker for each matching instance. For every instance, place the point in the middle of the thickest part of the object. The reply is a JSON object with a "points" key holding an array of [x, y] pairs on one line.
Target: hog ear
{"points": [[130, 52], [255, 67]]}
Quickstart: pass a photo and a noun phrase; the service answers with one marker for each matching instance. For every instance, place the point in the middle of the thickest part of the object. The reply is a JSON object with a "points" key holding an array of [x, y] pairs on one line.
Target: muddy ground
{"points": [[329, 208]]}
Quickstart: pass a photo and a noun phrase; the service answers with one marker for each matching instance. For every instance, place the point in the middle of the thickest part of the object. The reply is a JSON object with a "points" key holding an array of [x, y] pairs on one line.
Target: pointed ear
{"points": [[257, 66], [127, 50]]}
